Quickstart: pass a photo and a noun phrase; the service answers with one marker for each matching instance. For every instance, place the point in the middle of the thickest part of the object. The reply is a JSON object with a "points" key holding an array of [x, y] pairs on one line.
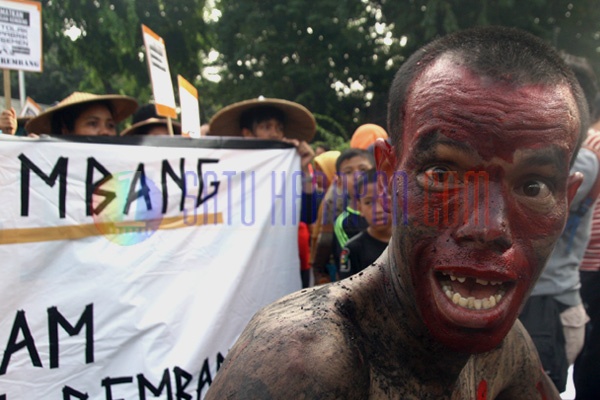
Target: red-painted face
{"points": [[473, 251]]}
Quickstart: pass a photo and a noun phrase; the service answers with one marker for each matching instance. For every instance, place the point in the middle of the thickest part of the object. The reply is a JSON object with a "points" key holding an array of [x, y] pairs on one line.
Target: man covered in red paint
{"points": [[485, 124]]}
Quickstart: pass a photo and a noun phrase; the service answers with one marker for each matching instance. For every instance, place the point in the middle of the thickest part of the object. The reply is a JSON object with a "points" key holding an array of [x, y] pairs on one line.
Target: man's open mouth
{"points": [[472, 293]]}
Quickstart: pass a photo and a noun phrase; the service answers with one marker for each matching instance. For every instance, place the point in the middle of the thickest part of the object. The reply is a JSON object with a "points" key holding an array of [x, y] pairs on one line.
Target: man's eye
{"points": [[438, 172], [535, 188], [439, 177]]}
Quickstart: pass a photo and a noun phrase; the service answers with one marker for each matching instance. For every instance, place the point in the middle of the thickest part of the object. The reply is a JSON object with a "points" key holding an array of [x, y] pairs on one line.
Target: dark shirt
{"points": [[347, 225], [360, 252]]}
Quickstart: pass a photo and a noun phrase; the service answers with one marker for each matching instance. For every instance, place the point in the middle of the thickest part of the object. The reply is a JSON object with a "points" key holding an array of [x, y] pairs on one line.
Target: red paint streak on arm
{"points": [[482, 390], [541, 387]]}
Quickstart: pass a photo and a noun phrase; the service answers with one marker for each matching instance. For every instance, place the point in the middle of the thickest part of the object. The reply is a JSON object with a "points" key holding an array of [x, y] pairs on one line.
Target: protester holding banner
{"points": [[277, 119], [274, 119], [84, 114], [485, 124], [8, 121], [145, 121]]}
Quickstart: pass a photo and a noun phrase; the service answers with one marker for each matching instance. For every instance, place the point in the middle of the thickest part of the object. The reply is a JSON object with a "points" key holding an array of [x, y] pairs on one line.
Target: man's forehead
{"points": [[446, 148], [449, 96]]}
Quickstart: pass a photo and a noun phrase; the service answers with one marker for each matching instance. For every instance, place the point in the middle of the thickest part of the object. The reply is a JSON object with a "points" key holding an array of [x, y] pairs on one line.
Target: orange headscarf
{"points": [[365, 135]]}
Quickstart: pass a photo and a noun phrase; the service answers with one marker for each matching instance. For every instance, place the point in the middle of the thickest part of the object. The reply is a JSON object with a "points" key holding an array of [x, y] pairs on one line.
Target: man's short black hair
{"points": [[351, 153], [254, 116], [501, 53]]}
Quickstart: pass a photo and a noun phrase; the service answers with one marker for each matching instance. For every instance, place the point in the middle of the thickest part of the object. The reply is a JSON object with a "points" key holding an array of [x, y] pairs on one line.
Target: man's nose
{"points": [[485, 223]]}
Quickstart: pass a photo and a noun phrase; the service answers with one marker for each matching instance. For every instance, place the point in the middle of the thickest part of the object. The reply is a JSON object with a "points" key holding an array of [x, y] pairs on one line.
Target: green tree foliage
{"points": [[570, 25], [108, 55], [336, 57], [303, 50]]}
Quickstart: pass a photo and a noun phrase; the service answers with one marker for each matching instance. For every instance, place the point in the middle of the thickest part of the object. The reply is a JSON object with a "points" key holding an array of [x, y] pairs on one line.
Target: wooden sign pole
{"points": [[170, 126], [7, 95]]}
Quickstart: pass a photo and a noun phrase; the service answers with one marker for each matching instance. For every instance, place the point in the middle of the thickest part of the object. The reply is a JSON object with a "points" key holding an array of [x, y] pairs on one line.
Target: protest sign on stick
{"points": [[190, 112], [30, 108], [160, 75], [20, 39], [21, 35]]}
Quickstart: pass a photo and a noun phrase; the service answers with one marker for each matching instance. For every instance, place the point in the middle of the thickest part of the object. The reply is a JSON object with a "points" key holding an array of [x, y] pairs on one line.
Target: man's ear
{"points": [[385, 162], [247, 133], [573, 183], [385, 158]]}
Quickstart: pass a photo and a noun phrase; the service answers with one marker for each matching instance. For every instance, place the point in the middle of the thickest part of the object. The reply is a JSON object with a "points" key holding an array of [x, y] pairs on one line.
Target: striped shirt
{"points": [[591, 259]]}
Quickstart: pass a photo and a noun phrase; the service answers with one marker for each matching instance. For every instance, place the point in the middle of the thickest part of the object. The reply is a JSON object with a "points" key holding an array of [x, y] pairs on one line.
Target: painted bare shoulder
{"points": [[297, 347]]}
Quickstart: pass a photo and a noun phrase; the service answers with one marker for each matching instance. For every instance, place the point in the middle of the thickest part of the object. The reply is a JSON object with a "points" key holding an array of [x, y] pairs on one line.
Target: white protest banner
{"points": [[21, 35], [30, 109], [160, 75], [128, 271], [190, 111]]}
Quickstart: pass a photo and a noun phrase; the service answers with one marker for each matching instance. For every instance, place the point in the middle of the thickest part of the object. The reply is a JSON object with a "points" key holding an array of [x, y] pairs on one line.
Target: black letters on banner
{"points": [[182, 380], [165, 382], [93, 188], [220, 360], [109, 382], [215, 185], [179, 180], [20, 325], [205, 378], [70, 393], [55, 318], [59, 171], [139, 175]]}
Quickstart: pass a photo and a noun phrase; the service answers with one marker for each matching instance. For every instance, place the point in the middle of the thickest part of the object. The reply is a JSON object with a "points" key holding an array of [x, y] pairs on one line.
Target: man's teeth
{"points": [[462, 279], [472, 302]]}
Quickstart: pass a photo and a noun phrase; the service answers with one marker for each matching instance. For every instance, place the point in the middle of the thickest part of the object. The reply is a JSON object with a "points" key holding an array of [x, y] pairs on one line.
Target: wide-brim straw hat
{"points": [[135, 128], [299, 122], [122, 107]]}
